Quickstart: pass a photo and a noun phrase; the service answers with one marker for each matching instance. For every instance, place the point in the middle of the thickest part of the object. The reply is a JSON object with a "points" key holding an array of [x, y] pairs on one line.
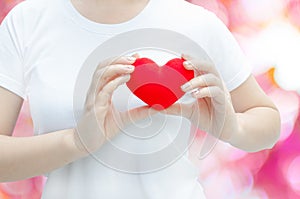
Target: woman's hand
{"points": [[101, 121], [212, 111]]}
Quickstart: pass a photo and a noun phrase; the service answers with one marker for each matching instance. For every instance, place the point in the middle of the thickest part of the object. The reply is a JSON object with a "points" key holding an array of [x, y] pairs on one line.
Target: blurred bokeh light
{"points": [[269, 33]]}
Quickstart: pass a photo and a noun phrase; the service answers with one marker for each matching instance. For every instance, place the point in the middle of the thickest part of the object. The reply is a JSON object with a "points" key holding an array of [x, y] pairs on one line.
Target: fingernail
{"points": [[185, 86], [195, 93], [135, 55], [131, 59], [188, 64], [129, 68], [125, 78]]}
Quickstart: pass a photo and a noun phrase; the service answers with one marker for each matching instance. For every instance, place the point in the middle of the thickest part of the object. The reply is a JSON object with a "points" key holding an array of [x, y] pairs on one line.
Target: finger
{"points": [[199, 65], [211, 92], [116, 70], [104, 96], [123, 66], [218, 95], [112, 72], [101, 68], [136, 114], [136, 55], [184, 110], [201, 81], [126, 60]]}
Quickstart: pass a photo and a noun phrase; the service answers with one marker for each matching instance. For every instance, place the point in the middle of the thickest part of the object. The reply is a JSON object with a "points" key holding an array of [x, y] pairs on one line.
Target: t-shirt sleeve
{"points": [[11, 53], [226, 53]]}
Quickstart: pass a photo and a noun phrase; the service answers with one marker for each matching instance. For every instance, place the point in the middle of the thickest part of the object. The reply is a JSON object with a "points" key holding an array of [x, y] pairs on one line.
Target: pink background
{"points": [[269, 33]]}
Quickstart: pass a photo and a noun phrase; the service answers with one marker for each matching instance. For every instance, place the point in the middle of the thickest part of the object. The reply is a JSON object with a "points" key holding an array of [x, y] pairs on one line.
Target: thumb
{"points": [[184, 110], [138, 113], [136, 55]]}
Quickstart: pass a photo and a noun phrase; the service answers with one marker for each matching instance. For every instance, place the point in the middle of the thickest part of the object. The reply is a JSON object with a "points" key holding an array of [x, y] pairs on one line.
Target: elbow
{"points": [[274, 134], [268, 145], [271, 137]]}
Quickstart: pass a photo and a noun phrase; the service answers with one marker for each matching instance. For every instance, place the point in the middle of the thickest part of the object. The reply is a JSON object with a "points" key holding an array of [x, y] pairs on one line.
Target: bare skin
{"points": [[248, 107], [109, 12], [62, 147]]}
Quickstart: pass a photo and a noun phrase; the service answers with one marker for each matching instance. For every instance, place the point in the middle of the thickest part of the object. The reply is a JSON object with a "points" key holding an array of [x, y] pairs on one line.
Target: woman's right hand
{"points": [[92, 132]]}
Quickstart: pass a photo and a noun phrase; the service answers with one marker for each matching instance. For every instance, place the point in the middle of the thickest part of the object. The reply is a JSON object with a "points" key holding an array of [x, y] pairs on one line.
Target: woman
{"points": [[43, 46]]}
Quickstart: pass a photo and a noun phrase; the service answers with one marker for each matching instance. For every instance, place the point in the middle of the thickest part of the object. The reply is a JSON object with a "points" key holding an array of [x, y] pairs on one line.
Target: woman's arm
{"points": [[23, 157], [258, 118], [246, 118], [30, 156]]}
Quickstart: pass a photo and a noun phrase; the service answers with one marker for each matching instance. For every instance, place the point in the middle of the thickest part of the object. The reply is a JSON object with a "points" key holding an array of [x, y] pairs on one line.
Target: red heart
{"points": [[159, 87]]}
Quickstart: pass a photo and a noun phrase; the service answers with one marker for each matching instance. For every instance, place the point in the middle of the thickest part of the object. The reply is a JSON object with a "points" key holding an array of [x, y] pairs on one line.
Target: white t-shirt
{"points": [[43, 45]]}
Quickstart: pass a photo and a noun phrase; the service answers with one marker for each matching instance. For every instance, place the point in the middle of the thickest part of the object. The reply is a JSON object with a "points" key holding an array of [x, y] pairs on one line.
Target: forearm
{"points": [[259, 128], [24, 157]]}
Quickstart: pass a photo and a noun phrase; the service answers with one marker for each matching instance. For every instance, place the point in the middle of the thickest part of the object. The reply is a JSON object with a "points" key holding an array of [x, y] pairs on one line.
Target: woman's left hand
{"points": [[212, 110]]}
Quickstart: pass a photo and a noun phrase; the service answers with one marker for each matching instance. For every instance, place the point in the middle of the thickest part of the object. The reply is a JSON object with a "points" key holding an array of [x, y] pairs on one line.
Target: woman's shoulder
{"points": [[193, 8], [191, 13], [29, 6], [30, 16], [30, 9]]}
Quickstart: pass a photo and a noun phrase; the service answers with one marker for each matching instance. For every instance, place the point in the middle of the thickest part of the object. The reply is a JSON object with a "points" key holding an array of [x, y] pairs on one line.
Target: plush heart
{"points": [[159, 86]]}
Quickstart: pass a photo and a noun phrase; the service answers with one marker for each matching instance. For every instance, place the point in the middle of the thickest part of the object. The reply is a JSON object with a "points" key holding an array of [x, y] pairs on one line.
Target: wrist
{"points": [[73, 144], [233, 136]]}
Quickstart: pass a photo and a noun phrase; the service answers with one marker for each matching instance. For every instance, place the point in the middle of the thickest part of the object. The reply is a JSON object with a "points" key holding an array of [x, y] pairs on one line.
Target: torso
{"points": [[56, 47]]}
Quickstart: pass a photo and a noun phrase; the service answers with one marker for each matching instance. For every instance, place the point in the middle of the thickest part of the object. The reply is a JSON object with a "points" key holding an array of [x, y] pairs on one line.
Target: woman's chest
{"points": [[52, 70]]}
